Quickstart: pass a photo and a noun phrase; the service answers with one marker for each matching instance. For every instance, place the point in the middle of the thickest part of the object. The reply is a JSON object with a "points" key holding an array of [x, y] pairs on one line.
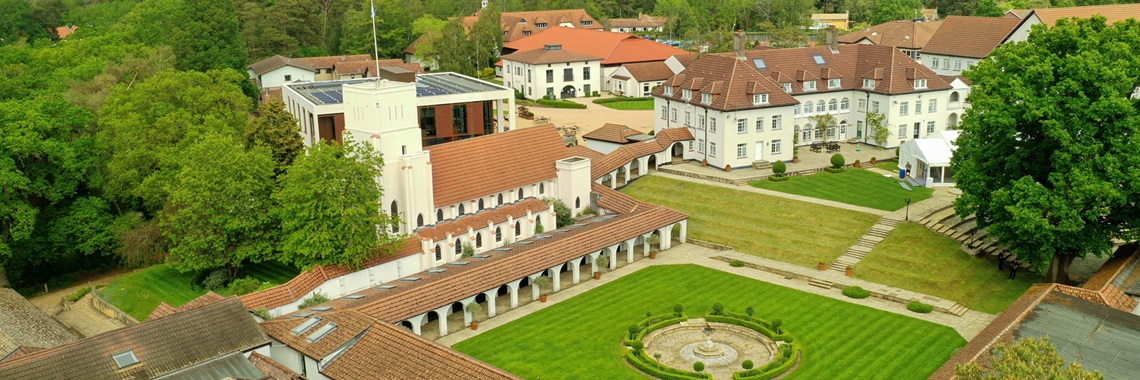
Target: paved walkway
{"points": [[865, 244], [84, 319], [968, 324]]}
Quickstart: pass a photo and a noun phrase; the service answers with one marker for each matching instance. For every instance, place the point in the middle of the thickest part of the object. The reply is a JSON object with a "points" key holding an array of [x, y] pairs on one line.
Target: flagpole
{"points": [[375, 47]]}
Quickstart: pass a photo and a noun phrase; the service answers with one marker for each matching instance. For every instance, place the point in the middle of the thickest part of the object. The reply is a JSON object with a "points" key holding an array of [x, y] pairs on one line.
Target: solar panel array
{"points": [[329, 96], [422, 90]]}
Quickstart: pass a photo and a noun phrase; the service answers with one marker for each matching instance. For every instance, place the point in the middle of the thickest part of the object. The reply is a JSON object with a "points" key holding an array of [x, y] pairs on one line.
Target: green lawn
{"points": [[631, 105], [581, 337], [781, 229], [915, 258], [889, 166], [495, 81], [854, 187], [140, 292]]}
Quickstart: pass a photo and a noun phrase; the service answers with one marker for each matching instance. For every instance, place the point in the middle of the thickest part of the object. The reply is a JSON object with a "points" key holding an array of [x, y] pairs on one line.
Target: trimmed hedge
{"points": [[777, 367], [736, 263], [561, 104], [834, 170], [780, 178], [856, 292], [739, 322], [659, 325], [663, 372], [620, 99], [919, 307]]}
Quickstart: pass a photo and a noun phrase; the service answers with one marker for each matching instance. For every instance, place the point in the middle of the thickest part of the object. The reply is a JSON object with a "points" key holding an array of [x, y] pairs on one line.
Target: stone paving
{"points": [[968, 325]]}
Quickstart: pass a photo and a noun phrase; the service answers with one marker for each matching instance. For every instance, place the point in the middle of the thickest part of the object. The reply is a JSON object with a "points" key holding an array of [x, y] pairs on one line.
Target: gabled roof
{"points": [[275, 62], [1112, 12], [613, 48], [165, 309], [544, 56], [906, 34], [472, 168], [626, 153], [24, 325], [735, 77], [642, 21], [970, 36], [615, 133], [273, 369], [649, 71], [480, 219], [162, 346], [327, 62], [515, 24], [369, 67]]}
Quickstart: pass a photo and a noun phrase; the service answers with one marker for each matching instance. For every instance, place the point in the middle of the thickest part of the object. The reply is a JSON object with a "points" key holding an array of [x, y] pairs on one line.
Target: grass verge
{"points": [[854, 187], [915, 258], [580, 338], [630, 105], [781, 229]]}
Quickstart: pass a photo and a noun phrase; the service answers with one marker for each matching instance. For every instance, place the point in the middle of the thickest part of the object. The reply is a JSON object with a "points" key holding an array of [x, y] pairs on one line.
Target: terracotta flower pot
{"points": [[795, 160], [542, 298], [874, 162], [856, 164], [822, 266], [849, 272], [597, 275], [474, 325], [653, 255], [728, 169], [704, 163]]}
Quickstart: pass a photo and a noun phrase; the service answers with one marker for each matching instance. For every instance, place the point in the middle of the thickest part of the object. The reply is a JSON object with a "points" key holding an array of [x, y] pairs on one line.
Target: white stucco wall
{"points": [[535, 87], [947, 64], [284, 74], [602, 146]]}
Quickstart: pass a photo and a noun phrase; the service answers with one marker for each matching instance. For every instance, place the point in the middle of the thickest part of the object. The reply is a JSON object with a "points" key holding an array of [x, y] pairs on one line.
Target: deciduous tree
{"points": [[208, 37], [891, 10], [456, 56], [276, 129], [1028, 358], [1047, 159]]}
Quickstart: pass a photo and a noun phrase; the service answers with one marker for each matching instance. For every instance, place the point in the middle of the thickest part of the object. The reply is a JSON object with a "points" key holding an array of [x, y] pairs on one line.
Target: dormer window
{"points": [[833, 83], [587, 23], [759, 99], [526, 33], [787, 87], [706, 98], [809, 85], [540, 24], [669, 90], [686, 94], [919, 84], [869, 84]]}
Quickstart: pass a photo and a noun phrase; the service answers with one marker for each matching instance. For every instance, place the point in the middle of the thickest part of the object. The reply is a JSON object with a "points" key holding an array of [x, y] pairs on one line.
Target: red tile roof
{"points": [[626, 153], [583, 151], [480, 220], [649, 71], [969, 36], [165, 309], [614, 48], [275, 62], [615, 133], [544, 56], [515, 24], [731, 81], [1112, 13], [478, 167], [272, 369], [348, 324], [906, 34], [329, 62]]}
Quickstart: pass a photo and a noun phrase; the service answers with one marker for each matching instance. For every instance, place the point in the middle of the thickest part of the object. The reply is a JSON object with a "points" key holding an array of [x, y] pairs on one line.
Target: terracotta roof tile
{"points": [[162, 346], [1112, 13], [516, 23], [479, 220], [328, 62], [543, 56], [969, 36], [348, 324], [274, 62], [472, 168], [642, 21], [583, 151], [906, 34], [614, 48], [1121, 259], [165, 309], [615, 133], [735, 73], [626, 153], [273, 369], [649, 71]]}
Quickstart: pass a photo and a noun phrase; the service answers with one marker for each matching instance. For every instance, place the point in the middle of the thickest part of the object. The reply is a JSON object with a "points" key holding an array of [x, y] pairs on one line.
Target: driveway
{"points": [[591, 118]]}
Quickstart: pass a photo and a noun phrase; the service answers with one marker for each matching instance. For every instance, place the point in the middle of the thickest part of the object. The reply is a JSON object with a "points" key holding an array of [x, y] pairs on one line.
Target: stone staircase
{"points": [[761, 165], [964, 230], [865, 244]]}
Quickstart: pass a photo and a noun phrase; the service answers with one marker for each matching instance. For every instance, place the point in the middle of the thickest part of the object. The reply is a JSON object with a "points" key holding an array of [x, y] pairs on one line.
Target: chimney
{"points": [[738, 43], [831, 37]]}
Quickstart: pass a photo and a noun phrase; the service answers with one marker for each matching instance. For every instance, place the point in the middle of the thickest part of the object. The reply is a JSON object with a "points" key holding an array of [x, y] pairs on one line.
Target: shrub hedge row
{"points": [[777, 367], [919, 307], [664, 372], [856, 292], [661, 324], [834, 170], [561, 104], [780, 178], [620, 99]]}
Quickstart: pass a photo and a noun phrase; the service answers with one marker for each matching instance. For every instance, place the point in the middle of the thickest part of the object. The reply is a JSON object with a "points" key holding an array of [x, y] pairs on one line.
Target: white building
{"points": [[643, 23], [961, 41], [639, 79], [754, 106], [552, 72], [928, 159]]}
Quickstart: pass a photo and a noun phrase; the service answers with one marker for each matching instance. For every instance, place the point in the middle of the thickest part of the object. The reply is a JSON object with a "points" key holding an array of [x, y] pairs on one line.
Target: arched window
{"points": [[438, 215], [461, 209], [807, 133], [808, 107], [420, 220], [498, 234], [520, 193], [478, 240], [500, 199], [458, 248], [438, 253], [578, 202], [844, 104], [832, 105], [480, 204], [395, 213], [541, 188], [843, 128], [518, 228], [819, 107], [954, 96]]}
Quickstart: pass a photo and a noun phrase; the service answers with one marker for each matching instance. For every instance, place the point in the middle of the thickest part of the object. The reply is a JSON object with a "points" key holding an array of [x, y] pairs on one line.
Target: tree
{"points": [[677, 12], [1028, 358], [1046, 154], [822, 124], [988, 8], [217, 215], [208, 37], [277, 130], [565, 217], [392, 27], [891, 10], [456, 57], [17, 21], [429, 29], [145, 127], [878, 132], [486, 37], [329, 206]]}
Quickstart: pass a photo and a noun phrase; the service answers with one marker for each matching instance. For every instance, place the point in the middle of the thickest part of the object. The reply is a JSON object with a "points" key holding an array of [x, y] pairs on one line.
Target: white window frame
{"points": [[787, 87], [918, 107], [688, 118], [741, 125], [929, 127], [935, 62], [919, 84], [712, 149], [845, 104], [759, 99], [902, 132], [932, 106], [777, 123], [776, 146], [686, 94], [834, 83], [760, 124], [809, 85], [741, 150], [904, 108], [706, 98], [869, 84], [712, 124], [669, 90]]}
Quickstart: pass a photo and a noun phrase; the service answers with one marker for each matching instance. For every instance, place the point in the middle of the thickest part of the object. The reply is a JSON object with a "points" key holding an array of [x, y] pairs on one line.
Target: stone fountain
{"points": [[709, 352], [709, 349]]}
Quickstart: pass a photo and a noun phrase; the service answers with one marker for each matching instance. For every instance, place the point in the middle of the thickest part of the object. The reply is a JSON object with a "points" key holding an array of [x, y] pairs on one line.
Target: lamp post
{"points": [[908, 209]]}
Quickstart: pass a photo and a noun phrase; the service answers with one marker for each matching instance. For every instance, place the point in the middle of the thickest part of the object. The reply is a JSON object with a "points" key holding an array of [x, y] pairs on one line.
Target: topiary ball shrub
{"points": [[638, 345], [747, 364], [779, 178], [779, 167], [678, 308], [718, 308], [837, 160], [633, 329], [919, 307], [776, 325], [856, 292], [736, 263], [699, 366]]}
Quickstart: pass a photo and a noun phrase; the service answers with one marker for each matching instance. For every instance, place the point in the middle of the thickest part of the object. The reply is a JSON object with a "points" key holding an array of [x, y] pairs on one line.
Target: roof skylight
{"points": [[818, 59], [321, 332], [305, 326], [125, 359], [759, 62]]}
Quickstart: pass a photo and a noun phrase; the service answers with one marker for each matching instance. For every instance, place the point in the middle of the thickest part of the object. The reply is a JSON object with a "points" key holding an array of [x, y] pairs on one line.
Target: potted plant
{"points": [[850, 270], [654, 241], [856, 164], [704, 162], [474, 308], [822, 265], [603, 263], [874, 161], [795, 159], [542, 282], [728, 168]]}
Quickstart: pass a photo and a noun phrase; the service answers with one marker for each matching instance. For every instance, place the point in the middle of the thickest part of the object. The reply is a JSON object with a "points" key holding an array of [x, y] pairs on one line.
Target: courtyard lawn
{"points": [[781, 229], [631, 105], [140, 292], [889, 166], [915, 258], [580, 338], [854, 187]]}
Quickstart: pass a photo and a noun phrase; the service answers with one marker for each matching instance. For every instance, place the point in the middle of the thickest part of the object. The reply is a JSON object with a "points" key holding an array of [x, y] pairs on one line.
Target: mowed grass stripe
{"points": [[855, 187], [782, 229], [580, 337]]}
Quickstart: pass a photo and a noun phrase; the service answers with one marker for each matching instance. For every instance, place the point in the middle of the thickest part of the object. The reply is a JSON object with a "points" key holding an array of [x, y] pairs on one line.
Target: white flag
{"points": [[373, 10]]}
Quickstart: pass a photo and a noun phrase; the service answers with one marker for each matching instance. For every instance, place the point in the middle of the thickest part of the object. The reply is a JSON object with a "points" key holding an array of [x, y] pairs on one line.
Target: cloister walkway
{"points": [[969, 324]]}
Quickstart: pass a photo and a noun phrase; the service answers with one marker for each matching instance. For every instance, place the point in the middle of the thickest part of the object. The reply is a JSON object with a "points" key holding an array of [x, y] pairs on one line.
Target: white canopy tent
{"points": [[928, 159]]}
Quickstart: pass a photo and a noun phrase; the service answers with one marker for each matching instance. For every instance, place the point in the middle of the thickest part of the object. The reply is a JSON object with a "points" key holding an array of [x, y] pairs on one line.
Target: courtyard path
{"points": [[968, 324]]}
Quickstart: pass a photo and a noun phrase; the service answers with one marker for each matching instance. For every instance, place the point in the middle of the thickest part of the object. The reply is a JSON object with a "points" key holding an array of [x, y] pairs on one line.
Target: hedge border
{"points": [[664, 372], [621, 99], [856, 292], [561, 104]]}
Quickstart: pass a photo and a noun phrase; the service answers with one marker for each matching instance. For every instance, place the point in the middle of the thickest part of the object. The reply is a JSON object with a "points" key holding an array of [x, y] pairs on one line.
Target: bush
{"points": [[217, 279], [638, 345], [919, 307], [78, 294], [718, 308], [316, 299], [779, 167], [656, 370], [747, 364], [856, 292], [776, 325], [468, 250], [834, 170], [699, 366], [596, 94], [651, 133], [262, 313], [538, 228], [633, 329], [678, 309], [561, 104], [856, 162], [736, 263], [837, 160], [779, 178], [750, 310], [897, 151], [243, 286], [873, 159], [563, 215]]}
